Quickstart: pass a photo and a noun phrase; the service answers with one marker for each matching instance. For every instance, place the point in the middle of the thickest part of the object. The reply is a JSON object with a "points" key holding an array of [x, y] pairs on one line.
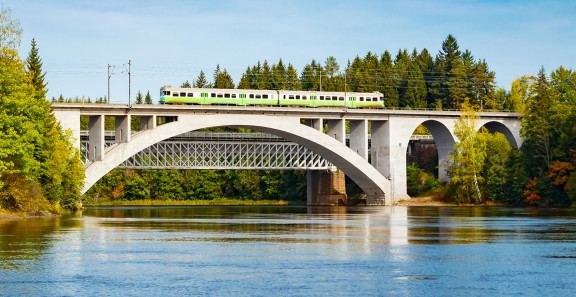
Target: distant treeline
{"points": [[408, 79]]}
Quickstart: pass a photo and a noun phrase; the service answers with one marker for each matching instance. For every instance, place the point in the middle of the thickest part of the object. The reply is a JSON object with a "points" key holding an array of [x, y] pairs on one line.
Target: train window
{"points": [[304, 97], [334, 98], [220, 95], [167, 93], [182, 94], [212, 95], [226, 95], [190, 94], [321, 97], [361, 98], [175, 94], [258, 96], [233, 95], [251, 96], [284, 96], [341, 98], [291, 97], [374, 99], [265, 96], [298, 97]]}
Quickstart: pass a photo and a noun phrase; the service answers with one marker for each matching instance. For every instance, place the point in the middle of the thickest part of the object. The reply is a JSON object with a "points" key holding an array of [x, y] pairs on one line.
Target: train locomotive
{"points": [[205, 96]]}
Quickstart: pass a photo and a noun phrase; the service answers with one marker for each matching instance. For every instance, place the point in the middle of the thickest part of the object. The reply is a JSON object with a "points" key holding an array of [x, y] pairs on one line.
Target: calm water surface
{"points": [[292, 251]]}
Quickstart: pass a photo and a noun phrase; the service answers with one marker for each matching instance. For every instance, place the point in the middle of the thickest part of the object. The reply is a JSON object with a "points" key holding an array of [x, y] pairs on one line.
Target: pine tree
{"points": [[426, 65], [279, 77], [186, 84], [201, 81], [388, 85], [292, 80], [148, 99], [34, 71], [223, 81], [309, 77], [139, 99]]}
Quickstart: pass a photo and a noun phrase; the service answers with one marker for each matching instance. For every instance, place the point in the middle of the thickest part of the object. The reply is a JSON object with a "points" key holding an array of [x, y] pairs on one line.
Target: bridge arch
{"points": [[373, 183], [496, 126]]}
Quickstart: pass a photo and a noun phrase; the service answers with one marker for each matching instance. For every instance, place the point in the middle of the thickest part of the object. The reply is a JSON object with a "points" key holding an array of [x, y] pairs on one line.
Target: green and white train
{"points": [[201, 96]]}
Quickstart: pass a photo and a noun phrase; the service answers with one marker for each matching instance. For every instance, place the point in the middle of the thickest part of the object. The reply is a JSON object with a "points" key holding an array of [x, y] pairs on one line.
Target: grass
{"points": [[215, 202]]}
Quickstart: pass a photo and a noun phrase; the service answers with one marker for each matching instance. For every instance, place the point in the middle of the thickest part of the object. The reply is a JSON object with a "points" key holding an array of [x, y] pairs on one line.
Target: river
{"points": [[291, 251]]}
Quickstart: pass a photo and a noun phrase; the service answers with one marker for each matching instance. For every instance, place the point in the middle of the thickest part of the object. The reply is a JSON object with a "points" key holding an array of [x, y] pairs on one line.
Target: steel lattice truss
{"points": [[225, 155]]}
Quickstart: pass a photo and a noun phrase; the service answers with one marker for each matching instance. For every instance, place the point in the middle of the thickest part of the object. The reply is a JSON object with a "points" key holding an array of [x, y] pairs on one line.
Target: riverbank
{"points": [[214, 202], [436, 200]]}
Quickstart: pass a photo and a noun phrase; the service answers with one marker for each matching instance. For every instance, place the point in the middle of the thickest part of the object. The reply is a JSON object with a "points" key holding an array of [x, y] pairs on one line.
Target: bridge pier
{"points": [[122, 128], [96, 139], [359, 137], [389, 156], [147, 122], [325, 188]]}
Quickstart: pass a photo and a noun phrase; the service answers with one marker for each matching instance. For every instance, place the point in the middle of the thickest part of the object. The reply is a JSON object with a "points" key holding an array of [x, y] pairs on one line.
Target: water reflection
{"points": [[308, 251]]}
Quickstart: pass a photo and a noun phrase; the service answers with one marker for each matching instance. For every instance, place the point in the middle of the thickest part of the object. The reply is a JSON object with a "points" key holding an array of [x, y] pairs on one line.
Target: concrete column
{"points": [[96, 138], [359, 137], [123, 128], [337, 129], [70, 119], [317, 124], [389, 143], [147, 122], [380, 152]]}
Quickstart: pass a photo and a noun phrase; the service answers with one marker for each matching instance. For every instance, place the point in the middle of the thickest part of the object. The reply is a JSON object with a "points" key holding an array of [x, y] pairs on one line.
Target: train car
{"points": [[201, 96], [205, 96], [366, 100], [294, 98], [331, 99]]}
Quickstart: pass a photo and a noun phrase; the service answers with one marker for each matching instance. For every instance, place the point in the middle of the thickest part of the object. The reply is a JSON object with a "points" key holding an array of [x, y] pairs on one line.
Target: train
{"points": [[206, 96]]}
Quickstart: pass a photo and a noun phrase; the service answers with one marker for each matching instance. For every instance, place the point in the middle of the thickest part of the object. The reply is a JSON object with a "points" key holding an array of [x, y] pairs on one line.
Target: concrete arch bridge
{"points": [[321, 130]]}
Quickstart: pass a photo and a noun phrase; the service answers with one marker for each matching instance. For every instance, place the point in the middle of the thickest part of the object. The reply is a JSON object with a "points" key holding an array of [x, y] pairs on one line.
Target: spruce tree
{"points": [[292, 83], [186, 84], [223, 81], [148, 99], [34, 71], [388, 85], [201, 81], [139, 99], [279, 78]]}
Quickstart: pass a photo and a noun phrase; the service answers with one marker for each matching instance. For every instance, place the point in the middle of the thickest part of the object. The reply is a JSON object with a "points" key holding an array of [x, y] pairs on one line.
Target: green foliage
{"points": [[171, 185], [467, 159], [37, 160], [420, 181]]}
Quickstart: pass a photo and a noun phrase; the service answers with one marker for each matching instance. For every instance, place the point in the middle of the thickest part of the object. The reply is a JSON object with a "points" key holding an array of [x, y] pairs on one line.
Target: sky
{"points": [[169, 42]]}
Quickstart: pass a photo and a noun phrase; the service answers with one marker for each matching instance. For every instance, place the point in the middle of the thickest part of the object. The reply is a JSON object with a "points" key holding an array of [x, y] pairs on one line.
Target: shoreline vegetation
{"points": [[212, 202]]}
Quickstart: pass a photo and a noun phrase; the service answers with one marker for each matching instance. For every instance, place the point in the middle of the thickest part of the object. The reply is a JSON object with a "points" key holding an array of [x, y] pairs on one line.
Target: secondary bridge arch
{"points": [[374, 184]]}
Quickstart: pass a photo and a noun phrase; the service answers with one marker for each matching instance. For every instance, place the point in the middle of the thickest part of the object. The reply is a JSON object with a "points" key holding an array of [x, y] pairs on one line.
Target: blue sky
{"points": [[171, 41]]}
